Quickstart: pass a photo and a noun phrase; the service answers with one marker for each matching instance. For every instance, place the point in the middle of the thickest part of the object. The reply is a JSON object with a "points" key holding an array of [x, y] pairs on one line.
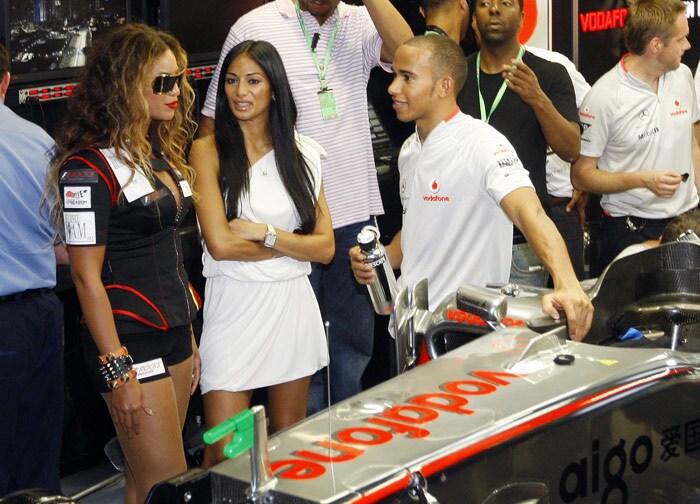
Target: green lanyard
{"points": [[321, 68], [501, 91]]}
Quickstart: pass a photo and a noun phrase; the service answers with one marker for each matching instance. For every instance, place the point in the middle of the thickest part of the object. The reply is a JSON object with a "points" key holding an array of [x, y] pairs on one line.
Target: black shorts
{"points": [[152, 351]]}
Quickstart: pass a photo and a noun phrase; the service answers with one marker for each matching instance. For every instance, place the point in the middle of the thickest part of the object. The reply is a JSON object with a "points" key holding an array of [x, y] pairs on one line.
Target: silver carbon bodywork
{"points": [[496, 412], [515, 415]]}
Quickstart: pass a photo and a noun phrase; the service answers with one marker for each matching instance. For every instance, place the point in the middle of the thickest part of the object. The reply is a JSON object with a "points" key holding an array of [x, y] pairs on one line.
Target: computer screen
{"points": [[48, 39]]}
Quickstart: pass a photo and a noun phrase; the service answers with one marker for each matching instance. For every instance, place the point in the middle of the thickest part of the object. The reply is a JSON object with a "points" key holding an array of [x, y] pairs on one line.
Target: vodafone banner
{"points": [[593, 28]]}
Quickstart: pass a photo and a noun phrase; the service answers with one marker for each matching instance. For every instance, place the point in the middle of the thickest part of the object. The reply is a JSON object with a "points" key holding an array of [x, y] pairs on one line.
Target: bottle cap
{"points": [[367, 238]]}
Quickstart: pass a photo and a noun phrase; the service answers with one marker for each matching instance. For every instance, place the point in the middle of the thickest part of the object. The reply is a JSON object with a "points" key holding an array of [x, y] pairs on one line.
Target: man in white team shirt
{"points": [[329, 49], [637, 147], [451, 18], [461, 186]]}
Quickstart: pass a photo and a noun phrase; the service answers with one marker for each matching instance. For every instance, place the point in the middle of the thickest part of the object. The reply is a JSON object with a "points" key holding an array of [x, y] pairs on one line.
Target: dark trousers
{"points": [[348, 309], [31, 393], [569, 226], [617, 234]]}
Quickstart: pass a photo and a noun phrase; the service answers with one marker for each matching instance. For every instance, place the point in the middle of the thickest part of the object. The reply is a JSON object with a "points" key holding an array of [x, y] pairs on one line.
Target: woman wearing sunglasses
{"points": [[264, 217], [122, 187]]}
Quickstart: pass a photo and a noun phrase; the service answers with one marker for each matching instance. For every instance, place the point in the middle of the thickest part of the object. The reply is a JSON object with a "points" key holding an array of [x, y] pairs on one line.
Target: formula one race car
{"points": [[518, 414], [649, 299]]}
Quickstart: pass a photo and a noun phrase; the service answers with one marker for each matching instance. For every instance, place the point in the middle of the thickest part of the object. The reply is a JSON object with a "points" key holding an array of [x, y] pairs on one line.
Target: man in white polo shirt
{"points": [[637, 147], [461, 186], [329, 49]]}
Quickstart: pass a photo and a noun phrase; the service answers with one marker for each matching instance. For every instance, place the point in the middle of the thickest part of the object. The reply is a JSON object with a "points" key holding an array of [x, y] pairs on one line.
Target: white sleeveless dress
{"points": [[262, 323]]}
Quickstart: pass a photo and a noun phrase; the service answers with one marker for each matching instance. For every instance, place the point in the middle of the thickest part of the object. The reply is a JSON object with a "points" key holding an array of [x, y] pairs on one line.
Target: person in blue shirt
{"points": [[31, 317]]}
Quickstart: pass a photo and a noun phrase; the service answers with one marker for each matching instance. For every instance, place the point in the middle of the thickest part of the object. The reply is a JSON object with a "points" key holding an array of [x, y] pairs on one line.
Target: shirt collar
{"points": [[633, 81], [439, 126], [287, 9], [452, 115]]}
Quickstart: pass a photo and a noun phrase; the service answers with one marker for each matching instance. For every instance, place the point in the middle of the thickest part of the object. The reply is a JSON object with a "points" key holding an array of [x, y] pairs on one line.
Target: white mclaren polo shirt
{"points": [[630, 128], [454, 231]]}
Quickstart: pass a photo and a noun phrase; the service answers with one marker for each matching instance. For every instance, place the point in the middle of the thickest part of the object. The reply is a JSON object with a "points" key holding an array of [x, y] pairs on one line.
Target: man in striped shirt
{"points": [[329, 49]]}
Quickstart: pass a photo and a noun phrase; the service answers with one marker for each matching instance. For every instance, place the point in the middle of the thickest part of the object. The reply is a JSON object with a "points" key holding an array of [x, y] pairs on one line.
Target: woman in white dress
{"points": [[263, 217]]}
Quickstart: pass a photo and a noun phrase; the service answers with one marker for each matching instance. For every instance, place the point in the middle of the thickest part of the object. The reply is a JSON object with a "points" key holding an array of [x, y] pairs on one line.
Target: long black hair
{"points": [[234, 176]]}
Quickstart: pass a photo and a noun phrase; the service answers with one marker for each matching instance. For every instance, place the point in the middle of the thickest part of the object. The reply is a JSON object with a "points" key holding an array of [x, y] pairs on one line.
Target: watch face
{"points": [[270, 239]]}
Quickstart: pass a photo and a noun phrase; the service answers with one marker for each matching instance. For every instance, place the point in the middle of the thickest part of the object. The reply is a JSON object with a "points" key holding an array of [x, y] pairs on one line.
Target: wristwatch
{"points": [[270, 237]]}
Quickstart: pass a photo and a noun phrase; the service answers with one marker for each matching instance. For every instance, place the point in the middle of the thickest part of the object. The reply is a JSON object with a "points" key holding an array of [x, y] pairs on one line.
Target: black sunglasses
{"points": [[164, 83]]}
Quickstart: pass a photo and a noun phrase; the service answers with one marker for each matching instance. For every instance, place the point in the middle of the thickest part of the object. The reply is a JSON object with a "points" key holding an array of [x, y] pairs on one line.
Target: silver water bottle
{"points": [[384, 288]]}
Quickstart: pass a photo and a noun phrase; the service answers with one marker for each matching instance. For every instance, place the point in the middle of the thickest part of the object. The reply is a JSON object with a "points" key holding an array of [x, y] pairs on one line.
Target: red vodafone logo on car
{"points": [[530, 14], [411, 419]]}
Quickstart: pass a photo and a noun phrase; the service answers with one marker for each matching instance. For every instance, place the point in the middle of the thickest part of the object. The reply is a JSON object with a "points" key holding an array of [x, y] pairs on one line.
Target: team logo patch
{"points": [[80, 228], [78, 176], [505, 162], [648, 133], [502, 149], [643, 115], [77, 197], [679, 110], [150, 368], [586, 112], [434, 198]]}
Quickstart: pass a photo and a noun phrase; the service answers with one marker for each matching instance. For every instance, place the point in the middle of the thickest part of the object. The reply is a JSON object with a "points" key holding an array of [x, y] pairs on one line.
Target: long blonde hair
{"points": [[109, 108]]}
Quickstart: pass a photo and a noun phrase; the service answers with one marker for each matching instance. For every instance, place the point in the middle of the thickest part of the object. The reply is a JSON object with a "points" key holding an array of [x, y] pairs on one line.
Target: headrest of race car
{"points": [[670, 269]]}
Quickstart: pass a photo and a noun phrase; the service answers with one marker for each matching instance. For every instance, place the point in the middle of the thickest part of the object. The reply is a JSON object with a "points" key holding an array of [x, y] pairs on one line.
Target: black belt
{"points": [[19, 296], [637, 224], [645, 219]]}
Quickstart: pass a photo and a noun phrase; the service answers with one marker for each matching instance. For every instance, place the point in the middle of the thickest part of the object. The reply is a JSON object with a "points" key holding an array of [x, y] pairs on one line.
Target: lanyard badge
{"points": [[327, 102], [326, 98]]}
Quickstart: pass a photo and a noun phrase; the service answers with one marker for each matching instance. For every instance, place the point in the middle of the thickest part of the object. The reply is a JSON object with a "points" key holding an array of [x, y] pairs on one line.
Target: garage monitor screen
{"points": [[48, 39]]}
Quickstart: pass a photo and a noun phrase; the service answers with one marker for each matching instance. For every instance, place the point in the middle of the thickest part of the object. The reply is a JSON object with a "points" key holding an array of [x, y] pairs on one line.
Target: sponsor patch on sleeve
{"points": [[507, 160], [80, 228], [77, 197], [79, 177]]}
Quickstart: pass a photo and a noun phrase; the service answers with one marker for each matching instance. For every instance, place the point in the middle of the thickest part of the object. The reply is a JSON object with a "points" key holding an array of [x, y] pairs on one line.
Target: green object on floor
{"points": [[242, 426]]}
